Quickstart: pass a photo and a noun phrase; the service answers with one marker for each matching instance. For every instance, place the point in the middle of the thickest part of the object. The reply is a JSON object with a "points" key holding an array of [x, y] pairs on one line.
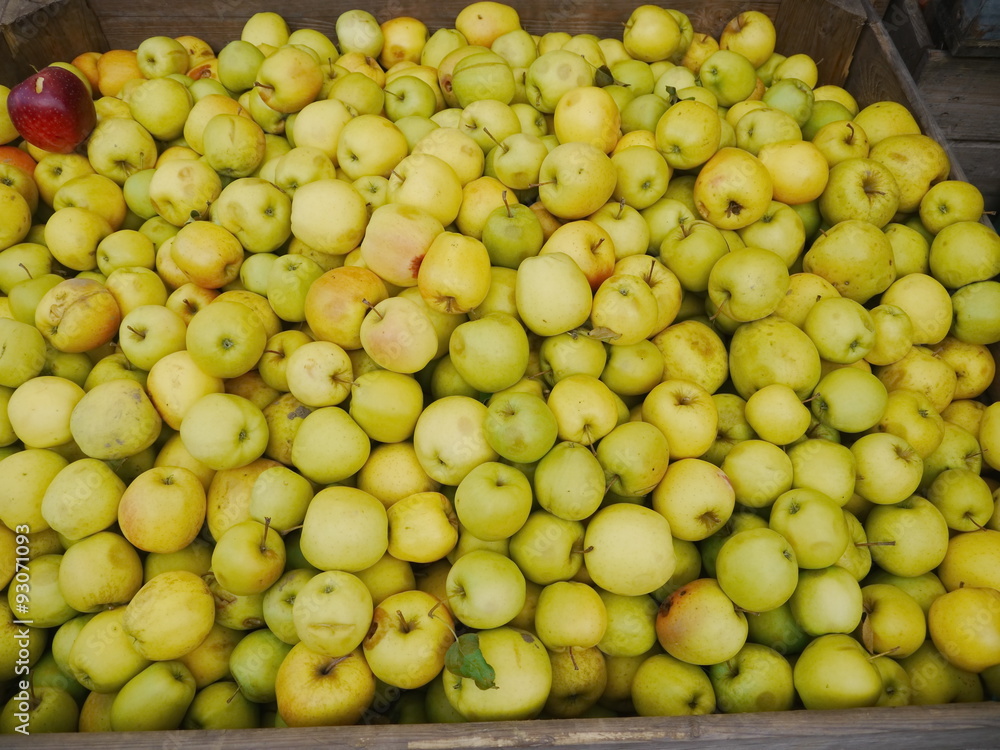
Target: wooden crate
{"points": [[970, 27], [962, 94], [853, 47]]}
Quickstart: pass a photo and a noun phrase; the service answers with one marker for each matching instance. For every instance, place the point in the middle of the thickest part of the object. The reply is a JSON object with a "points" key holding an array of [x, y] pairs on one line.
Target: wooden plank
{"points": [[128, 23], [981, 162], [970, 27], [964, 95], [972, 726], [904, 20], [52, 31], [828, 31]]}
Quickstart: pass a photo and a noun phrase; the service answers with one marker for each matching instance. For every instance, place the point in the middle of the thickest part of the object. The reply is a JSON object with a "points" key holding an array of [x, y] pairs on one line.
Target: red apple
{"points": [[52, 110]]}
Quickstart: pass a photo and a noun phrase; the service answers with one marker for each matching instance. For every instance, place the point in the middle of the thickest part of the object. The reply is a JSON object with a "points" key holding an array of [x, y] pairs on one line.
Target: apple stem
{"points": [[621, 208], [588, 549], [371, 307], [393, 93], [576, 667], [607, 487], [892, 650], [26, 270], [974, 522], [333, 663], [289, 531], [432, 613], [235, 693], [263, 538], [493, 138], [140, 334], [891, 543], [503, 196], [540, 184], [397, 175], [403, 624]]}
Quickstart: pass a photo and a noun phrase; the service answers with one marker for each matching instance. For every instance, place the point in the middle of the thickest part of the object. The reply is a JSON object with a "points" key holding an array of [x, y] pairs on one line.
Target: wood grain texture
{"points": [[964, 94], [973, 726], [827, 31], [52, 31], [905, 23]]}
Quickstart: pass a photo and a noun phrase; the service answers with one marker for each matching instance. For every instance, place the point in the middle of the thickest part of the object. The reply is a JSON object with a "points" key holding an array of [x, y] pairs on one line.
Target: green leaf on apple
{"points": [[465, 658]]}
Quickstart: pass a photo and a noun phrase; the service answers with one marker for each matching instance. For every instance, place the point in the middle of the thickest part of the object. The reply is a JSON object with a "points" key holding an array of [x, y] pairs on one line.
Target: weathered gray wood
{"points": [[973, 726], [905, 23], [970, 27], [34, 34]]}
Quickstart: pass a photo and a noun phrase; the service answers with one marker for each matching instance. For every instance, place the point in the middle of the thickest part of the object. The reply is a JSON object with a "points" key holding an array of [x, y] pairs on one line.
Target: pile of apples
{"points": [[478, 375]]}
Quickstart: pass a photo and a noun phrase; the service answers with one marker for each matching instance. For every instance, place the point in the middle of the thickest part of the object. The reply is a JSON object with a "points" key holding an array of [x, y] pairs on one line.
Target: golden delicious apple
{"points": [[313, 689], [618, 571], [170, 615], [733, 189]]}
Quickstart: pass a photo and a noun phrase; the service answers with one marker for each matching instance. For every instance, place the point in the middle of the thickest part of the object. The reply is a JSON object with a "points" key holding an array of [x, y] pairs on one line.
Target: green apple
{"points": [[523, 678], [747, 284], [849, 400], [386, 405], [493, 501], [101, 571], [855, 257], [729, 75], [893, 621], [569, 615], [554, 73], [860, 189], [156, 698], [118, 147], [813, 525], [757, 569], [450, 439], [935, 680], [913, 536], [757, 678], [353, 517], [889, 469], [695, 497], [841, 329], [238, 64], [548, 548], [422, 527], [41, 710], [170, 615], [896, 689], [102, 658], [576, 179], [634, 458], [409, 637], [97, 419], [827, 600], [607, 562], [221, 705], [511, 234], [777, 629], [685, 413], [332, 613], [666, 686], [569, 481], [161, 105], [834, 671], [248, 557], [288, 79], [224, 431], [963, 623], [485, 589], [949, 202]]}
